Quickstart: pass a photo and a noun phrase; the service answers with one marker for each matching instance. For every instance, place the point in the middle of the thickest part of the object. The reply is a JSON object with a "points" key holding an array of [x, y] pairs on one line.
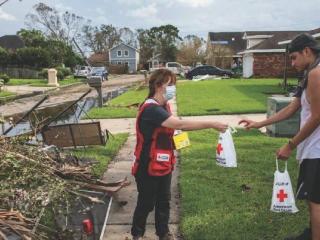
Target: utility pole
{"points": [[84, 57]]}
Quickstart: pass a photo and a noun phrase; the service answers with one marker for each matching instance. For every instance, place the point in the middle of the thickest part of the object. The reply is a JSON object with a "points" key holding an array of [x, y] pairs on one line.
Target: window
{"points": [[126, 63], [119, 63], [126, 53], [119, 53]]}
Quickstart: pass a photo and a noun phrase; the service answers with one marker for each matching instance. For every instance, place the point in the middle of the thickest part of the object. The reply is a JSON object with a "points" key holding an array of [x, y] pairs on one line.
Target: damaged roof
{"points": [[232, 39]]}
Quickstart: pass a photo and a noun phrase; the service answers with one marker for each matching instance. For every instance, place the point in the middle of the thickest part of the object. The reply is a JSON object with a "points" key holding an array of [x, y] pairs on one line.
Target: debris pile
{"points": [[35, 180]]}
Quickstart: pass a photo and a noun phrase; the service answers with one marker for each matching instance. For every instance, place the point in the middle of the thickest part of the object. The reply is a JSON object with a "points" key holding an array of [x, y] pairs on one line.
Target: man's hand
{"points": [[284, 152], [248, 124]]}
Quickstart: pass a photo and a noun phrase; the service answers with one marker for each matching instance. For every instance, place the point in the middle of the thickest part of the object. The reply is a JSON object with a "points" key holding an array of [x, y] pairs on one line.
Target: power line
{"points": [[3, 2]]}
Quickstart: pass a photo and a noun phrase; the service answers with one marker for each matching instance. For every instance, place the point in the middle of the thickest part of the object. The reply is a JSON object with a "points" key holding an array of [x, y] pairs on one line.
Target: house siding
{"points": [[271, 65], [131, 58]]}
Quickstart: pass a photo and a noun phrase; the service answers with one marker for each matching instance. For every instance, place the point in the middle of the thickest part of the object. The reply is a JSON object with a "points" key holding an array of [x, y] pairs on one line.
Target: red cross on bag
{"points": [[219, 148], [282, 195]]}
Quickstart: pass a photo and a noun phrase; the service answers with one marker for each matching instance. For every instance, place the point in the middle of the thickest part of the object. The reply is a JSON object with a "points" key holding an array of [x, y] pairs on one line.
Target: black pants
{"points": [[308, 187], [153, 192]]}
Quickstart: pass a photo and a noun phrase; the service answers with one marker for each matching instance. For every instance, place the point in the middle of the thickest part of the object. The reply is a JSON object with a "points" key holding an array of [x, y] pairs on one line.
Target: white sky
{"points": [[190, 16]]}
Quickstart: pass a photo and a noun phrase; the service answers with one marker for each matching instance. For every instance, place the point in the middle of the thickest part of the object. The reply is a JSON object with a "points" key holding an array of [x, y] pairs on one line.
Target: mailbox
{"points": [[95, 81]]}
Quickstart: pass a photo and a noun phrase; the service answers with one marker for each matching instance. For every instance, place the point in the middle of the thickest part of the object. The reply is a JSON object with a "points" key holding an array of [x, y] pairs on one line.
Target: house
{"points": [[223, 48], [11, 42], [124, 54], [261, 53], [264, 57]]}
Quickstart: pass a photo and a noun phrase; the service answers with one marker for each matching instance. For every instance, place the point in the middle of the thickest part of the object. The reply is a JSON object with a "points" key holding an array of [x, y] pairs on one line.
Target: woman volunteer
{"points": [[154, 155]]}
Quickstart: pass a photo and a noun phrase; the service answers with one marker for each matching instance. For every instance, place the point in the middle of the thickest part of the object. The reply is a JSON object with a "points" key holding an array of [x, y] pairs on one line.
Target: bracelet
{"points": [[291, 145]]}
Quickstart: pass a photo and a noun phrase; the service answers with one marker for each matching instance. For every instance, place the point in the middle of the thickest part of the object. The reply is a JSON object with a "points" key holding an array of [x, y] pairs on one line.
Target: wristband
{"points": [[291, 145]]}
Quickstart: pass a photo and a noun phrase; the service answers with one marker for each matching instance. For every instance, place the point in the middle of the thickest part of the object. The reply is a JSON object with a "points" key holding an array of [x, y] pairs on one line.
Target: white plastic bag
{"points": [[282, 196], [225, 151]]}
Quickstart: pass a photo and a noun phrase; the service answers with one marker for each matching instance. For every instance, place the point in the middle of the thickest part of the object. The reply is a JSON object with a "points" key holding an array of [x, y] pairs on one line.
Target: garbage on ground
{"points": [[204, 77], [45, 185]]}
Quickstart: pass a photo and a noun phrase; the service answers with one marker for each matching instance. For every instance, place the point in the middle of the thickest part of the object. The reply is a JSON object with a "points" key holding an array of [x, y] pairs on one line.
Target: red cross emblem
{"points": [[282, 195], [219, 148]]}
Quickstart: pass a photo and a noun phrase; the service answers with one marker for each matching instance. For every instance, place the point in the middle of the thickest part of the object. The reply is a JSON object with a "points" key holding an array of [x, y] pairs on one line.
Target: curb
{"points": [[4, 100]]}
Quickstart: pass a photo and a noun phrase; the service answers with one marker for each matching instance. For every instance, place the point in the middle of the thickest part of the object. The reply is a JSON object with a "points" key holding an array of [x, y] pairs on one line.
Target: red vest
{"points": [[161, 158]]}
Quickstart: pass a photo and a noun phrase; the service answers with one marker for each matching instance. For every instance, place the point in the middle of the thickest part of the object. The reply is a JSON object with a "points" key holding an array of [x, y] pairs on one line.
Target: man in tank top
{"points": [[304, 53]]}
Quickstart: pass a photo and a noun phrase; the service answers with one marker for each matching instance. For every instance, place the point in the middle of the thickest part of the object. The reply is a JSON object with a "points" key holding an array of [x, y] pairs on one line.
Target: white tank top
{"points": [[310, 147]]}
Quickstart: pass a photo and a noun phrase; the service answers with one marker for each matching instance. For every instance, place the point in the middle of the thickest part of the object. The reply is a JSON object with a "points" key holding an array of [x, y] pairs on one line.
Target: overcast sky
{"points": [[190, 16]]}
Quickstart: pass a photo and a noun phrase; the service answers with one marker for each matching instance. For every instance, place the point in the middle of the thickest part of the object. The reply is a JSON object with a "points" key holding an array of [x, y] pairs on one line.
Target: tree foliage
{"points": [[160, 41], [32, 38], [191, 50], [40, 52], [34, 57], [64, 27], [4, 56], [101, 39]]}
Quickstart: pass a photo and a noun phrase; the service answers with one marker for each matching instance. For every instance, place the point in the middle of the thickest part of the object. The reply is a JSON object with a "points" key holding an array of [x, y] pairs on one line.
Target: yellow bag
{"points": [[181, 140]]}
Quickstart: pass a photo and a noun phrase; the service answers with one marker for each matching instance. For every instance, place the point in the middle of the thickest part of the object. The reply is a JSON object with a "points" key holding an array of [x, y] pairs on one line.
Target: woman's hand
{"points": [[221, 127], [248, 124]]}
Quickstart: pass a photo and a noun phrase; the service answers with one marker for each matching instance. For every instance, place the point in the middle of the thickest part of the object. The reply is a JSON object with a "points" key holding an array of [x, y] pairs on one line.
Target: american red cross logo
{"points": [[219, 148], [282, 195]]}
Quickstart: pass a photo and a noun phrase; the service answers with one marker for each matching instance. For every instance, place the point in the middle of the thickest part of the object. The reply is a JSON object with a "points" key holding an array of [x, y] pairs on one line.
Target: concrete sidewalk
{"points": [[25, 89]]}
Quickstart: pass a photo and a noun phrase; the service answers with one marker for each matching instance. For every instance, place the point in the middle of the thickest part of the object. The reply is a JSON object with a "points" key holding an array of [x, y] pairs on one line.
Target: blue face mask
{"points": [[170, 92]]}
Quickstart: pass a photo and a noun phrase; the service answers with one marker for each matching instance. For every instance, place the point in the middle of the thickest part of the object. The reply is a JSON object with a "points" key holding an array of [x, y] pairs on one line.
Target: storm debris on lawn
{"points": [[33, 178]]}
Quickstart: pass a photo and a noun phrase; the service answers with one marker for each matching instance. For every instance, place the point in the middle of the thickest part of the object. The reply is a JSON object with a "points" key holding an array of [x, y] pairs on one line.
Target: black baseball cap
{"points": [[302, 41]]}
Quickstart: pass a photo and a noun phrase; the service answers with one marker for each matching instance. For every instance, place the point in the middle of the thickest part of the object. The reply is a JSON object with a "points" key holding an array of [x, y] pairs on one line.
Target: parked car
{"points": [[175, 67], [208, 70], [82, 71], [99, 71]]}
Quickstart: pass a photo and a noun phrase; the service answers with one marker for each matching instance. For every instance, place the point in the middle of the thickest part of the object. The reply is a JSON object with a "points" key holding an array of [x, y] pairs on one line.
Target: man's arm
{"points": [[176, 123], [283, 114]]}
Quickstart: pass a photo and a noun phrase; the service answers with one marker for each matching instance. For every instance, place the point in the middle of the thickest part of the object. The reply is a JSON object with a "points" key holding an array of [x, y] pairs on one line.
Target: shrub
{"points": [[5, 78], [34, 57], [64, 71], [44, 73], [4, 57], [60, 75]]}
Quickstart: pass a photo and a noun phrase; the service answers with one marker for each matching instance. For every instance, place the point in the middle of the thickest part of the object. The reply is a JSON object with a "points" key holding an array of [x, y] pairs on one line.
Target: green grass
{"points": [[6, 94], [231, 96], [116, 107], [210, 97], [213, 205], [42, 82], [103, 154]]}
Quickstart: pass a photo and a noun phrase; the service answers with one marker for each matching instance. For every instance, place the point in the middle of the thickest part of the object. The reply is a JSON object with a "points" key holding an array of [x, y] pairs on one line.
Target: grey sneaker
{"points": [[305, 235], [168, 236]]}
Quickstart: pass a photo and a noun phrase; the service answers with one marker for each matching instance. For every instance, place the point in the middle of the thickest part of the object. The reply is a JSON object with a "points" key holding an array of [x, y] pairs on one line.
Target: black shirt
{"points": [[151, 118]]}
